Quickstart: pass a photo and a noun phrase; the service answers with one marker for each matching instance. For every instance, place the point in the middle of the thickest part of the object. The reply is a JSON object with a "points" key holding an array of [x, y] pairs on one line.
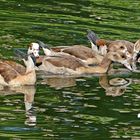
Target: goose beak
{"points": [[127, 65]]}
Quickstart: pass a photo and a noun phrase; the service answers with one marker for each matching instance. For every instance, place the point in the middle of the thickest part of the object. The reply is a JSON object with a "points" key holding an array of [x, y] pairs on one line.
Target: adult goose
{"points": [[69, 65], [132, 50], [83, 53], [103, 46], [14, 74]]}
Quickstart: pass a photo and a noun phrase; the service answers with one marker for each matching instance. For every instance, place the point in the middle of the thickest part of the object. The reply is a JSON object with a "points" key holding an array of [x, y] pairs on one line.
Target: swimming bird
{"points": [[69, 65], [131, 49], [14, 74], [83, 53], [103, 46]]}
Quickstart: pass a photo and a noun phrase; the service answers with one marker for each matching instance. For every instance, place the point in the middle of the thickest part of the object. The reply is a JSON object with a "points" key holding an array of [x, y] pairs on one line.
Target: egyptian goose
{"points": [[14, 74], [83, 53], [132, 51], [103, 46], [68, 65]]}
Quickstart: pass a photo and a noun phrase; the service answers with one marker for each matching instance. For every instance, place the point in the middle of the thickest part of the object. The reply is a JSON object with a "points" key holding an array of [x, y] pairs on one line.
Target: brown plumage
{"points": [[73, 63], [67, 64], [18, 67], [65, 61], [10, 70], [59, 48], [87, 55], [101, 42], [82, 52], [14, 74], [105, 46], [121, 45]]}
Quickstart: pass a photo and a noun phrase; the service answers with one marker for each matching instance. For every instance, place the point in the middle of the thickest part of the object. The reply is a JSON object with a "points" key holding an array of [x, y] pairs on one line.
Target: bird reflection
{"points": [[29, 92], [59, 82], [114, 87]]}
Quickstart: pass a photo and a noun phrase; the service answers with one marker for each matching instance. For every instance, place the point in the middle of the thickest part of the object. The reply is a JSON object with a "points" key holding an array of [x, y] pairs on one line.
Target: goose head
{"points": [[120, 57], [122, 46], [33, 48]]}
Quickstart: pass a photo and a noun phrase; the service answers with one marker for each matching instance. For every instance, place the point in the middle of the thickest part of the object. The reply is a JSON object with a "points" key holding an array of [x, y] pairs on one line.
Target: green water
{"points": [[67, 107]]}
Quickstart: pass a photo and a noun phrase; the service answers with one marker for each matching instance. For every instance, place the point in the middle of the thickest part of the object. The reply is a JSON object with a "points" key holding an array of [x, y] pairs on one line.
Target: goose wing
{"points": [[65, 61], [80, 51], [7, 70], [18, 67]]}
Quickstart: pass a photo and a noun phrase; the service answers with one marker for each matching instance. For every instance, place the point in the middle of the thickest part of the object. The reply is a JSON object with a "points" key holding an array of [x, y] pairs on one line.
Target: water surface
{"points": [[61, 107]]}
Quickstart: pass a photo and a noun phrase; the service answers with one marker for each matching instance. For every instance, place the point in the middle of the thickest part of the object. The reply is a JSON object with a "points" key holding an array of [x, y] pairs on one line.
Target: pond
{"points": [[62, 107]]}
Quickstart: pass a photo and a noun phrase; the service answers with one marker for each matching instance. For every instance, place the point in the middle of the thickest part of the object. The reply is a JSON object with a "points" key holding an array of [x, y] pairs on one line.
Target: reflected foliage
{"points": [[94, 106]]}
